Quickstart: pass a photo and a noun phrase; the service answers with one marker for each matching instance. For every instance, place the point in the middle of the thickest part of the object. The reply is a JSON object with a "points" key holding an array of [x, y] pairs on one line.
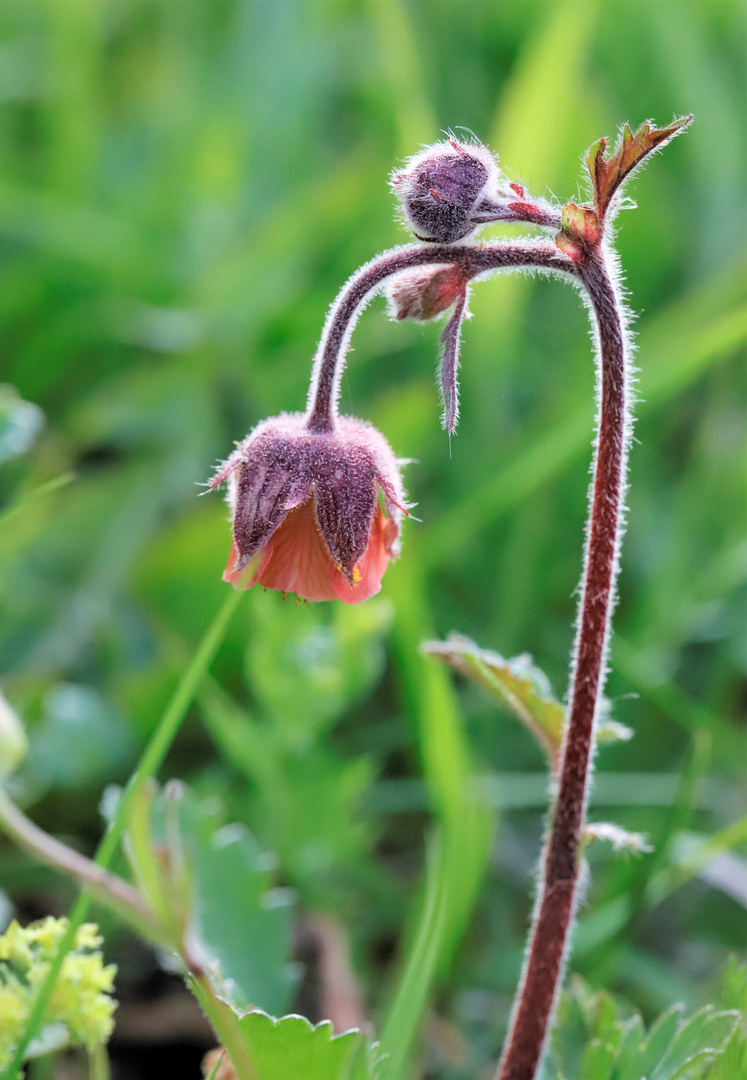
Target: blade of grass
{"points": [[544, 152], [32, 496], [406, 1010], [403, 71], [150, 762], [465, 820]]}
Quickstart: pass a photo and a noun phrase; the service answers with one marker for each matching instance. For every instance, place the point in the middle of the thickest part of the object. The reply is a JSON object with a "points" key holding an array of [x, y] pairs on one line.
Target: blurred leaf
{"points": [[218, 879], [455, 872], [20, 422], [406, 1009], [13, 740], [80, 742], [306, 668], [592, 1042], [733, 995], [36, 493], [243, 923], [703, 1036], [517, 684]]}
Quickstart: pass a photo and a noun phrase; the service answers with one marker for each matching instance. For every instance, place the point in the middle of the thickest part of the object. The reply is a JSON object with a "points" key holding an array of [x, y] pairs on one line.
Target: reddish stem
{"points": [[366, 282], [557, 896]]}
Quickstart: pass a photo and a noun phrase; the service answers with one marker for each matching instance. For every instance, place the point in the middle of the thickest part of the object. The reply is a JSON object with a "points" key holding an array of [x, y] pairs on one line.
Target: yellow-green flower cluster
{"points": [[81, 998]]}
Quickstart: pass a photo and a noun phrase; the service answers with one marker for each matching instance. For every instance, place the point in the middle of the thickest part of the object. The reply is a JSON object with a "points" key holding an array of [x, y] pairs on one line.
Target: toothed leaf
{"points": [[608, 173], [516, 684], [292, 1047]]}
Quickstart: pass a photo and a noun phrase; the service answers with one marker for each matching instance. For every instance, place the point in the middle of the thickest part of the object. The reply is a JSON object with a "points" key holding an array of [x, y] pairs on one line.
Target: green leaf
{"points": [[659, 1038], [631, 1045], [217, 878], [517, 684], [591, 1042], [13, 740], [292, 1047], [598, 1059], [703, 1035], [244, 925], [733, 1060], [80, 742]]}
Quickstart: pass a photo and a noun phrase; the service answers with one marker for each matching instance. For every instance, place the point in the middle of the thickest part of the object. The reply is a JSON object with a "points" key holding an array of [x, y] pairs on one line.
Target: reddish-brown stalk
{"points": [[559, 886], [558, 891]]}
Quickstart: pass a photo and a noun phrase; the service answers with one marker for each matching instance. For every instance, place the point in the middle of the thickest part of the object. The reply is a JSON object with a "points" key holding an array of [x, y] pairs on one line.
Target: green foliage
{"points": [[291, 1046], [306, 671], [13, 740], [210, 884], [592, 1041], [80, 1011], [521, 688], [20, 422], [184, 189], [517, 684]]}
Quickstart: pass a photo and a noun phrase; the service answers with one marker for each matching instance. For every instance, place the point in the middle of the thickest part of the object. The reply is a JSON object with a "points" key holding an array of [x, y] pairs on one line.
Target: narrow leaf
{"points": [[449, 368]]}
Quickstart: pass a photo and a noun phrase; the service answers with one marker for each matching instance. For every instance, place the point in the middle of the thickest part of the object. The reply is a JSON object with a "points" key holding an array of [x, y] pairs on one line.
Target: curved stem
{"points": [[102, 883], [559, 888], [329, 363]]}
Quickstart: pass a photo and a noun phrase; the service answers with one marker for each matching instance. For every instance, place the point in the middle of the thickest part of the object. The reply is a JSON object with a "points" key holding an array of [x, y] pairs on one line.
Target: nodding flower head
{"points": [[307, 509], [446, 190]]}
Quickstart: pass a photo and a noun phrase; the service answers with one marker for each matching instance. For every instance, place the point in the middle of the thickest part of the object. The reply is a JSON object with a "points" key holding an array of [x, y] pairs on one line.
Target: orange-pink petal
{"points": [[299, 559], [369, 569], [296, 560]]}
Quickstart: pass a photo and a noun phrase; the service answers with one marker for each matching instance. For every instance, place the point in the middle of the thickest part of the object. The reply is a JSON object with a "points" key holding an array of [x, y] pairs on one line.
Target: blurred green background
{"points": [[184, 186]]}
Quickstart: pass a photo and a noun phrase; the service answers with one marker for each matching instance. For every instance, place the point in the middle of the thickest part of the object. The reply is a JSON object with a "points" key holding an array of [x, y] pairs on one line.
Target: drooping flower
{"points": [[307, 508]]}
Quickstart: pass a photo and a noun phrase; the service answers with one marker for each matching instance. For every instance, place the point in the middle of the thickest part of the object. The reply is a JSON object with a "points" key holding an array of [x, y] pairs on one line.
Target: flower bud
{"points": [[452, 188], [425, 292], [306, 512], [442, 190]]}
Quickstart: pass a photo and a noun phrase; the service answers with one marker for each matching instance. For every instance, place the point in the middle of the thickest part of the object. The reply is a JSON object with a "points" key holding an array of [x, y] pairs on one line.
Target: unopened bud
{"points": [[442, 188], [426, 292]]}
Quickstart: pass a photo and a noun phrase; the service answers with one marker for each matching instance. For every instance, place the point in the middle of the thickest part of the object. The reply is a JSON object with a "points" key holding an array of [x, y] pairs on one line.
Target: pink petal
{"points": [[370, 566], [299, 558]]}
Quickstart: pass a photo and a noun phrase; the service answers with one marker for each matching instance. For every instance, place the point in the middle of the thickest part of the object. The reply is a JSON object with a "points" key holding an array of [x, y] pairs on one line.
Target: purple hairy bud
{"points": [[306, 512], [442, 189], [451, 188]]}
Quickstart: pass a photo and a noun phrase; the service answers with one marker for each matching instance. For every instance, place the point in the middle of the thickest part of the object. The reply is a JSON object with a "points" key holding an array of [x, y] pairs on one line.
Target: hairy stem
{"points": [[365, 283], [558, 892], [103, 884]]}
